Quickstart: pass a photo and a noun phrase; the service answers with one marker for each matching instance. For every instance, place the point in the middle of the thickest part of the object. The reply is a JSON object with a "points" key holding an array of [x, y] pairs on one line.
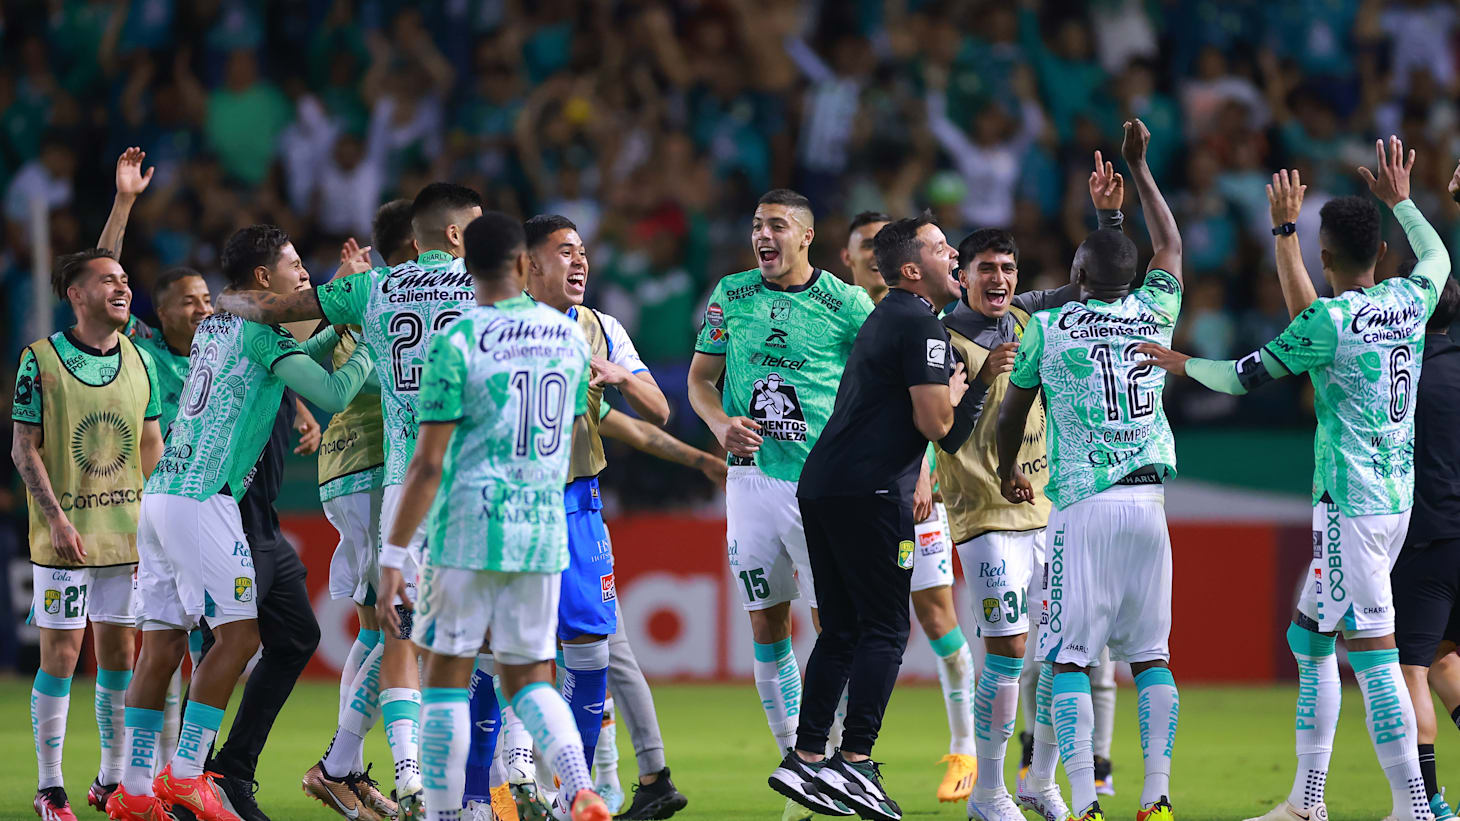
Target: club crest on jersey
{"points": [[991, 611], [243, 589], [780, 309], [905, 554], [52, 602]]}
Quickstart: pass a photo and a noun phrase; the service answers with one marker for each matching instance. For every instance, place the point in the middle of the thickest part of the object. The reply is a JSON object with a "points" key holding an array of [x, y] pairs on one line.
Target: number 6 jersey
{"points": [[399, 310], [1104, 418]]}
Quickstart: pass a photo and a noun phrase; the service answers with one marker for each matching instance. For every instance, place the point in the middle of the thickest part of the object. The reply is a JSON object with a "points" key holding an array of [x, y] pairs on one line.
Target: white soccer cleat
{"points": [[1287, 812], [997, 807], [478, 811], [521, 766], [1045, 800]]}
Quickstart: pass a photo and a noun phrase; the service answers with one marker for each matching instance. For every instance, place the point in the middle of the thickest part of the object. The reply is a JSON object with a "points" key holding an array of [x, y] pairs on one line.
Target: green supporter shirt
{"points": [[1102, 400], [399, 310], [172, 367], [784, 354], [512, 376], [87, 364], [1362, 349]]}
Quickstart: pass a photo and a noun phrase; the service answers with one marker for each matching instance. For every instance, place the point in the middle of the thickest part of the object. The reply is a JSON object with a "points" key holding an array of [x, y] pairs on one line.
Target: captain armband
{"points": [[1251, 372]]}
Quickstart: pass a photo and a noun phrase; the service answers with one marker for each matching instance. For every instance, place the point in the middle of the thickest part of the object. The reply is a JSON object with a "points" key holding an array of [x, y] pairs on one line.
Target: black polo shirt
{"points": [[1436, 513], [871, 445]]}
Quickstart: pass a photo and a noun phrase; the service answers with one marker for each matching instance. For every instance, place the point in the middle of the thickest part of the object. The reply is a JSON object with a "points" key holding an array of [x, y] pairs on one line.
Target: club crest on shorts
{"points": [[53, 602], [243, 588], [991, 611], [905, 554]]}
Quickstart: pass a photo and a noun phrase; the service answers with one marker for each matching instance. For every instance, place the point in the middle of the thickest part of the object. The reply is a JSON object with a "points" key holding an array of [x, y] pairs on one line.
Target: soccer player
{"points": [[779, 334], [85, 411], [351, 479], [1109, 450], [1362, 349], [195, 558], [398, 309], [502, 389]]}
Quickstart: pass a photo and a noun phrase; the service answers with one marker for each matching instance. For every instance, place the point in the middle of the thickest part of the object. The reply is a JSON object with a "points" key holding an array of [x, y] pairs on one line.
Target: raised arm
{"points": [[131, 181], [1165, 237], [1285, 201], [1392, 186], [1230, 376], [268, 308]]}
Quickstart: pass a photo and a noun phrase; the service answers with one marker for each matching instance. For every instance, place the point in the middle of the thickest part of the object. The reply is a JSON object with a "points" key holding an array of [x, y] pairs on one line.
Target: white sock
{"points": [[200, 725], [358, 713], [1390, 715], [1029, 684], [547, 717], [1102, 698], [605, 755], [955, 674], [838, 723], [401, 709], [1319, 697], [445, 737], [778, 680], [995, 704], [143, 741], [50, 700], [1158, 706], [1074, 720], [354, 660], [111, 694], [1046, 749], [171, 719]]}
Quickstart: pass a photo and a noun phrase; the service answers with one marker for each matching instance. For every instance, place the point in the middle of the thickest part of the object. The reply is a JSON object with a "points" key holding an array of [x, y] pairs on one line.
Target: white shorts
{"points": [[1001, 567], [194, 562], [933, 552], [65, 597], [411, 571], [1347, 587], [459, 607], [767, 542], [1109, 585], [355, 565]]}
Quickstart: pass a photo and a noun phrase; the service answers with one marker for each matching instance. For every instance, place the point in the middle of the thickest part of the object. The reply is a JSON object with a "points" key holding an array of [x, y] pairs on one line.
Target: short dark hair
{"points": [[492, 241], [788, 198], [167, 278], [70, 267], [867, 218], [1349, 228], [987, 239], [542, 226], [440, 197], [897, 244], [1446, 308], [390, 231], [250, 248], [1109, 258]]}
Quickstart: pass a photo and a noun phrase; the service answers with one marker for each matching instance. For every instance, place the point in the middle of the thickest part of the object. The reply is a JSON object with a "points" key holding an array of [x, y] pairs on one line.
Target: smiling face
{"points": [[939, 264], [781, 238], [286, 275], [102, 294], [183, 305], [559, 273], [859, 257], [991, 278]]}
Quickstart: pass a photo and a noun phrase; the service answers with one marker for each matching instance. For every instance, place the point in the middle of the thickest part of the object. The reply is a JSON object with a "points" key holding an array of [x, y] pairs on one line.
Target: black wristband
{"points": [[1109, 218], [1285, 229]]}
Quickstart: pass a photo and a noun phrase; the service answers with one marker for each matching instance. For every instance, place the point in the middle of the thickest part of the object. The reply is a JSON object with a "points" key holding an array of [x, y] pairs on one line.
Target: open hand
{"points": [[353, 258], [1391, 184], [1164, 358], [1285, 196], [740, 437], [308, 430], [131, 181]]}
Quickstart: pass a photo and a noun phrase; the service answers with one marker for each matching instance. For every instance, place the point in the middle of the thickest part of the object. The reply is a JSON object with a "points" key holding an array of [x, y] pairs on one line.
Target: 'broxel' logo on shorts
{"points": [[1055, 607], [1335, 556]]}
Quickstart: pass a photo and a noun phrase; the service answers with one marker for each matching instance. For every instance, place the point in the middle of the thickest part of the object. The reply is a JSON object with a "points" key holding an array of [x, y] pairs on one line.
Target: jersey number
{"points": [[200, 377], [756, 585], [548, 405], [1401, 383], [75, 602], [1141, 403], [407, 329]]}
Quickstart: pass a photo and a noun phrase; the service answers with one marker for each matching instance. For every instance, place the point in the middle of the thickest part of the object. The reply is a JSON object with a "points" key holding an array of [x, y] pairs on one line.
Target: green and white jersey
{"points": [[400, 310], [784, 354], [172, 366], [227, 409], [1102, 399], [512, 376], [1362, 349]]}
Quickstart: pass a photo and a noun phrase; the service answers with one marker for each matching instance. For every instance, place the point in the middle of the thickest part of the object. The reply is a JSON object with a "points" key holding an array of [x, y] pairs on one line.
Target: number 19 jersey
{"points": [[1104, 417], [400, 309], [512, 376], [784, 354]]}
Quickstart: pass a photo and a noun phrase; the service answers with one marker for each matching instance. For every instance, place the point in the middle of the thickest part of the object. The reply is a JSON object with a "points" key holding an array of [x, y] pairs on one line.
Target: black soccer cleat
{"points": [[656, 801]]}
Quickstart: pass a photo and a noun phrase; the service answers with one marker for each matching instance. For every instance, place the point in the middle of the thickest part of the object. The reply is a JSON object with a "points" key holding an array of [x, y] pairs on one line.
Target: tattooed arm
{"points": [[269, 308], [25, 451], [641, 435]]}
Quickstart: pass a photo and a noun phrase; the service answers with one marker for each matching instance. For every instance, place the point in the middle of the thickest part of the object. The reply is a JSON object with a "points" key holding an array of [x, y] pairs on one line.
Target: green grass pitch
{"points": [[1233, 753]]}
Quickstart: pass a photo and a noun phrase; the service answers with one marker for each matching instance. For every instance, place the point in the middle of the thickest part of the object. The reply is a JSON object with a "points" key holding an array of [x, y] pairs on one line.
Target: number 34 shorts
{"points": [[1003, 569]]}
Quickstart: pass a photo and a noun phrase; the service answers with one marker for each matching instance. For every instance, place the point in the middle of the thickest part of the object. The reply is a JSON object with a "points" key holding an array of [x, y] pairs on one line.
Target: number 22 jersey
{"points": [[399, 310]]}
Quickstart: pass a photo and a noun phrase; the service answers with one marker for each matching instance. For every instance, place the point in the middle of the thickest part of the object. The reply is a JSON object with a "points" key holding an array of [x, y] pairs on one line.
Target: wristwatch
{"points": [[1285, 229]]}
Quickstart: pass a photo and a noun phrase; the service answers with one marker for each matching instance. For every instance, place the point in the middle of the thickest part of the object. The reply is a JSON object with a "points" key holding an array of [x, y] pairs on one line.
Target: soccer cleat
{"points": [[1287, 812], [1042, 799], [612, 795], [478, 811], [998, 807], [124, 807], [370, 795], [958, 781], [796, 812], [410, 802], [51, 804], [503, 807], [589, 806], [859, 786], [656, 801], [1159, 811], [1026, 757], [532, 805], [99, 793], [1094, 813], [796, 779], [199, 796], [1104, 781], [337, 794], [240, 794]]}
